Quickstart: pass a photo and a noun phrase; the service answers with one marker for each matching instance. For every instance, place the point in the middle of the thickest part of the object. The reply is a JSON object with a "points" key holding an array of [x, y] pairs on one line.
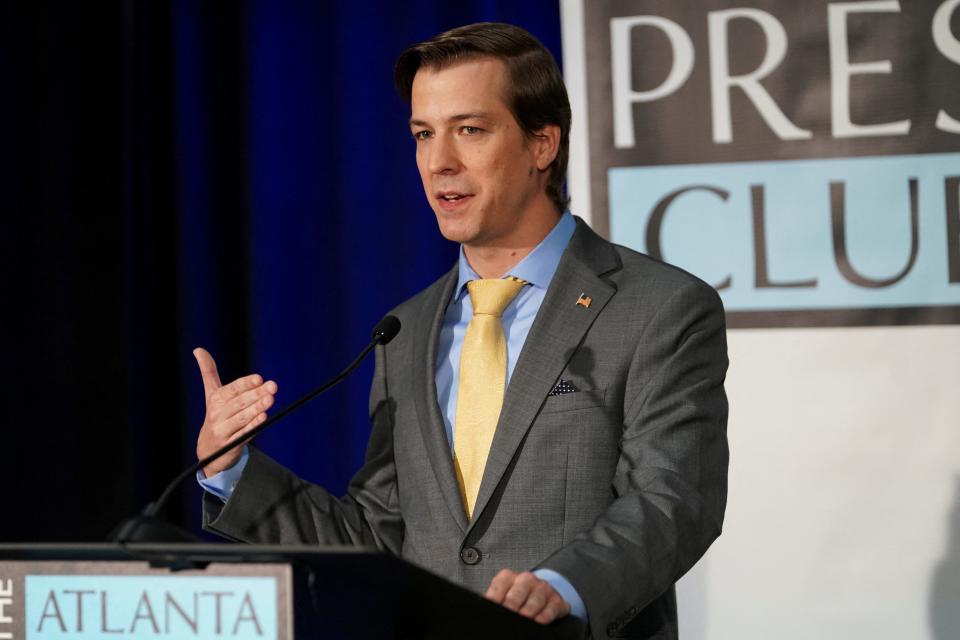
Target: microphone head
{"points": [[386, 330]]}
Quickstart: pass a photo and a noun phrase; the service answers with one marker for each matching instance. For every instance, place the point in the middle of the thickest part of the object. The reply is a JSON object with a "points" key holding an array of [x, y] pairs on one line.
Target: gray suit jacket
{"points": [[620, 486]]}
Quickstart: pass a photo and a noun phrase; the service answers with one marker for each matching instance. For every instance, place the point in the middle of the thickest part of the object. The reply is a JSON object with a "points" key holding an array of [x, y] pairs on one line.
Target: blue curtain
{"points": [[237, 175], [300, 217], [339, 230]]}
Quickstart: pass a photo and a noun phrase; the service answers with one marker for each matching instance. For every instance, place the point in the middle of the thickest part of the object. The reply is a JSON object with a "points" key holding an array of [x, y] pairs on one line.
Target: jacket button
{"points": [[469, 555]]}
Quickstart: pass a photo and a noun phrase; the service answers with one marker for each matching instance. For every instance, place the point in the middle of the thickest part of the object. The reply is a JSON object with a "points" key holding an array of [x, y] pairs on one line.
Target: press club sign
{"points": [[804, 158]]}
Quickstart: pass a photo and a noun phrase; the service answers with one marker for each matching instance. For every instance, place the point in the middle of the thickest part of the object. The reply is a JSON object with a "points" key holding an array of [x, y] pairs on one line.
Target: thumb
{"points": [[208, 371]]}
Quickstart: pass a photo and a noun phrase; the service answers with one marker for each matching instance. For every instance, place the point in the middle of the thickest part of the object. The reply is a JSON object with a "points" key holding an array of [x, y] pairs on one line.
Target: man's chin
{"points": [[455, 230]]}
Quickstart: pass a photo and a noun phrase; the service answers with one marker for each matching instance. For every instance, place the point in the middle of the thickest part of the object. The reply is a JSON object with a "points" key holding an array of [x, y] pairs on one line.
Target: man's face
{"points": [[479, 172]]}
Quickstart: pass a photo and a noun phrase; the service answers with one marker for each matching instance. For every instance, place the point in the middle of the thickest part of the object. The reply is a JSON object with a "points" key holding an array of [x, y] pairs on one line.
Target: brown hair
{"points": [[536, 94]]}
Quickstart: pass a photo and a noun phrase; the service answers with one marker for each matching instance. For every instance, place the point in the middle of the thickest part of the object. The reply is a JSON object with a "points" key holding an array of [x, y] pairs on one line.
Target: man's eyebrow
{"points": [[473, 115]]}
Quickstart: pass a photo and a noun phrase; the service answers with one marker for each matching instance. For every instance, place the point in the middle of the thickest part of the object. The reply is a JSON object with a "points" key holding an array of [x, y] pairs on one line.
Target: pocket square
{"points": [[562, 388]]}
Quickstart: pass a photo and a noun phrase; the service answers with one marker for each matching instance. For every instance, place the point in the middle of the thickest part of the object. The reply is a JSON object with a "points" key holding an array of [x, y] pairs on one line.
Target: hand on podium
{"points": [[527, 595], [232, 411]]}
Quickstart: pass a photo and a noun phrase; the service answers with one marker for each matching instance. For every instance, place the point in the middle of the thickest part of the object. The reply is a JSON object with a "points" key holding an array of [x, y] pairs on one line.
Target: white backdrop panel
{"points": [[844, 513]]}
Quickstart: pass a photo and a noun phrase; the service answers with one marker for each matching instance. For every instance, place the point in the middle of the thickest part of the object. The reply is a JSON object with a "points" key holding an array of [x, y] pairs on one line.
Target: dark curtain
{"points": [[237, 175]]}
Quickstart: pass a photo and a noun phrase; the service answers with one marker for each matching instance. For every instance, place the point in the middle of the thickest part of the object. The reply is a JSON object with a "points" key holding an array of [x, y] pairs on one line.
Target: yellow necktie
{"points": [[483, 374]]}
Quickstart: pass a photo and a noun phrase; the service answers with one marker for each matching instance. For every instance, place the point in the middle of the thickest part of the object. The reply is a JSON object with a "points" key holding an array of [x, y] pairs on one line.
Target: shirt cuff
{"points": [[222, 484], [562, 586]]}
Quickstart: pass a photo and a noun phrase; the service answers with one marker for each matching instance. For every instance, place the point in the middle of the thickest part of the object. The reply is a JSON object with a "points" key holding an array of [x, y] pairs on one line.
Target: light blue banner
{"points": [[710, 229], [145, 607]]}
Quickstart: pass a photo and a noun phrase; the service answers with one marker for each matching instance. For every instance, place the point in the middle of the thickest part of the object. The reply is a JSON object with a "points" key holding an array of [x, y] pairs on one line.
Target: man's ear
{"points": [[546, 143]]}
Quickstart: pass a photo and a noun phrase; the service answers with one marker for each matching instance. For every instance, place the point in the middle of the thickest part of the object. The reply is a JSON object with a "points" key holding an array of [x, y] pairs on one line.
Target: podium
{"points": [[212, 591]]}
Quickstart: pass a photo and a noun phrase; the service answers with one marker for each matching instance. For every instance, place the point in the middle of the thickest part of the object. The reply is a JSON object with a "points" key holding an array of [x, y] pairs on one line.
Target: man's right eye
{"points": [[421, 135]]}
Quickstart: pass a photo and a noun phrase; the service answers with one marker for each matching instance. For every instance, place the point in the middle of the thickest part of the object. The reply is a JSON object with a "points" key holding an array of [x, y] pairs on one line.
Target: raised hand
{"points": [[232, 411]]}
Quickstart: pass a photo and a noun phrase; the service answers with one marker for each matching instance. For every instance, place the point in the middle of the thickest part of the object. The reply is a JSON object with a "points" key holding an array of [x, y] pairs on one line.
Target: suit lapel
{"points": [[428, 411], [557, 331]]}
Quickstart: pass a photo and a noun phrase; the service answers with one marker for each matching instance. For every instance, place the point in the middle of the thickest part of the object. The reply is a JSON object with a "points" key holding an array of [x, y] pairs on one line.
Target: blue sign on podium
{"points": [[50, 600]]}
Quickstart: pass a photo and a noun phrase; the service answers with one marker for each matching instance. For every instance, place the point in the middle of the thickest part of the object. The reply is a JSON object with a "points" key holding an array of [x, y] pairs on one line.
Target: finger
{"points": [[222, 405], [228, 429], [248, 398], [499, 585], [259, 419], [536, 600], [239, 386], [518, 592], [555, 609], [208, 371]]}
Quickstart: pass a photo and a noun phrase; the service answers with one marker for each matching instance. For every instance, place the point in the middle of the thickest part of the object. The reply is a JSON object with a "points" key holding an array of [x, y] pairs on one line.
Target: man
{"points": [[561, 450]]}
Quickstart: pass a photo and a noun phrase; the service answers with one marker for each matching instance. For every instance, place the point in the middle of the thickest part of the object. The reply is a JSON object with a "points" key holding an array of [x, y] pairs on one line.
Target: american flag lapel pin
{"points": [[584, 301]]}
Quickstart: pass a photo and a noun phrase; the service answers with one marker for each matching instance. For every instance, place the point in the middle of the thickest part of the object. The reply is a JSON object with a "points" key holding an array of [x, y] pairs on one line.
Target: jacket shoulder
{"points": [[628, 268], [631, 271], [638, 265]]}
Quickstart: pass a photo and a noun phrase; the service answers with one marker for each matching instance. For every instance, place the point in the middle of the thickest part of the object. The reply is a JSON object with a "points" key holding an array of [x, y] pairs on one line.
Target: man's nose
{"points": [[443, 156]]}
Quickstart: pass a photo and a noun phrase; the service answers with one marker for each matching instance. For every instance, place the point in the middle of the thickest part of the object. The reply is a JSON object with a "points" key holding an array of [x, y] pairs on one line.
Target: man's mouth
{"points": [[452, 195], [450, 200]]}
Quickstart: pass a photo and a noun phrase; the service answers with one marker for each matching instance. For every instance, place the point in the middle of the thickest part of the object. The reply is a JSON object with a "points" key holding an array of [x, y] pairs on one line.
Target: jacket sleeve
{"points": [[271, 505], [670, 483]]}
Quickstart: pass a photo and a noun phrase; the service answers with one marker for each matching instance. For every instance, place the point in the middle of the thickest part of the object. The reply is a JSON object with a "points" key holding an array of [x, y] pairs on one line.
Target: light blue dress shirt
{"points": [[537, 268]]}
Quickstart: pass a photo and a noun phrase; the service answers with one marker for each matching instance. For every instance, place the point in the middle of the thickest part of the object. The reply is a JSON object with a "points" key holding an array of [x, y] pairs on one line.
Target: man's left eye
{"points": [[471, 130]]}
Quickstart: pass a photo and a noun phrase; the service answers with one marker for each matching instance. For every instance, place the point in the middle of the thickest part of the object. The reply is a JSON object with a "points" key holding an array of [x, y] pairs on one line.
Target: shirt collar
{"points": [[537, 267]]}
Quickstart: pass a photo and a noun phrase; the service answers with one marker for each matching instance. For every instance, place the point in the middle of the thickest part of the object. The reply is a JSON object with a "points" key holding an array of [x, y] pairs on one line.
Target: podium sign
{"points": [[55, 600]]}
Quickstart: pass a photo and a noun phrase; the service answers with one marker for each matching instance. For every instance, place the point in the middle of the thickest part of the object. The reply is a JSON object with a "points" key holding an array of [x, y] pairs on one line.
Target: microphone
{"points": [[148, 527]]}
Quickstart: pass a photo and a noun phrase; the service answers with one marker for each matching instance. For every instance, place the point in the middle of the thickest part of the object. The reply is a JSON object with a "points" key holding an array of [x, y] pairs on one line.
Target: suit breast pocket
{"points": [[573, 401]]}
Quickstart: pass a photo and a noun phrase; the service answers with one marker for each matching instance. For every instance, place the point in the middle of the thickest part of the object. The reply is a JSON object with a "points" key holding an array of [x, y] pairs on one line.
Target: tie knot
{"points": [[491, 296]]}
